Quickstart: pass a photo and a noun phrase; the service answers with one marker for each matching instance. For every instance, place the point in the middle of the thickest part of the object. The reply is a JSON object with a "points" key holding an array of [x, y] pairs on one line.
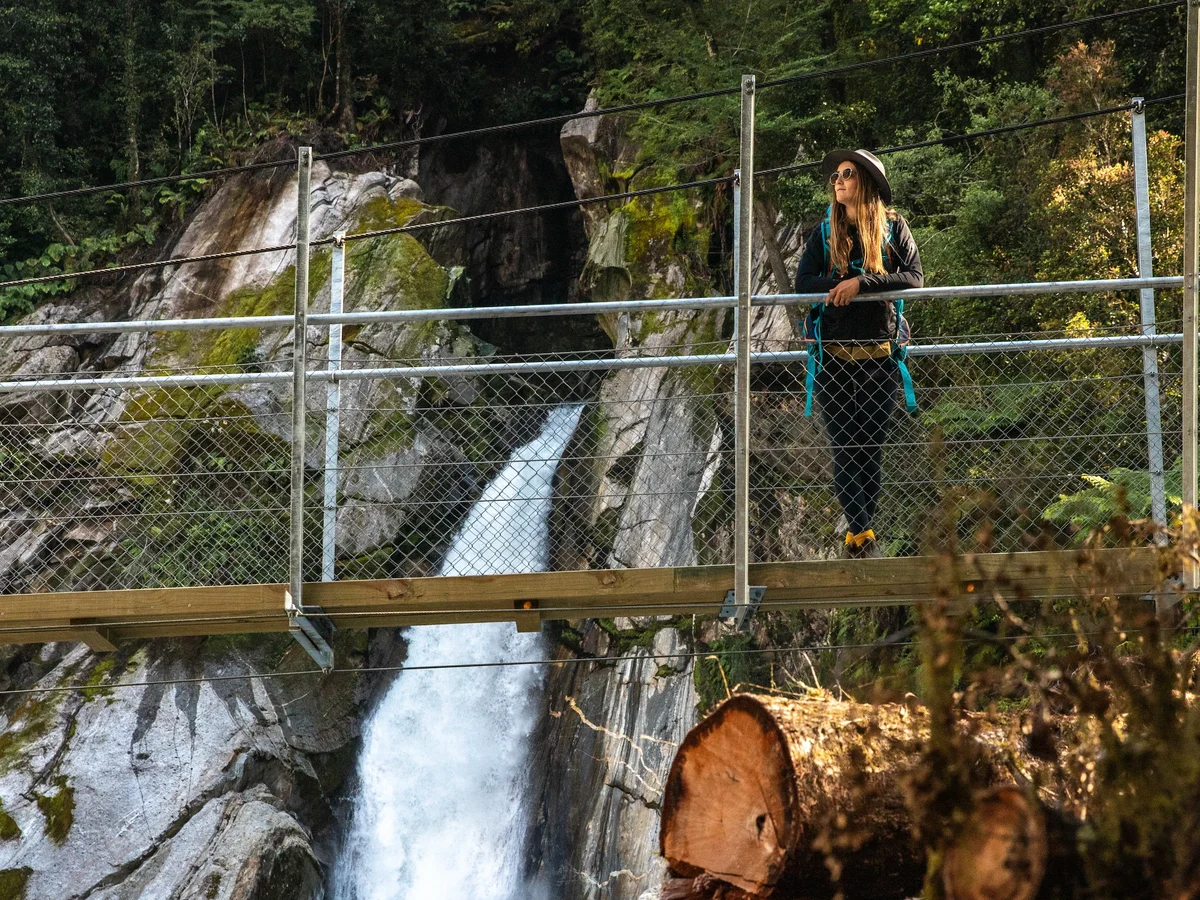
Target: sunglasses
{"points": [[845, 174]]}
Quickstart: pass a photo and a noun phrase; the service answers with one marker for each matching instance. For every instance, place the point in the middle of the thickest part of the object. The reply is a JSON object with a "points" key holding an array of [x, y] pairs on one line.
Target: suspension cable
{"points": [[593, 113], [141, 267], [967, 45], [987, 132], [883, 644], [567, 204], [382, 232]]}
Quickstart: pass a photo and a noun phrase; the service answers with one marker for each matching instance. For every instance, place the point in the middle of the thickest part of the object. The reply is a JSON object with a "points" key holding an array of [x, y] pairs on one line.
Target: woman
{"points": [[856, 359]]}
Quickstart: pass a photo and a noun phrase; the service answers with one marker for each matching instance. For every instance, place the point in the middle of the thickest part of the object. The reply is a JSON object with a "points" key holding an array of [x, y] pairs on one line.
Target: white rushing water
{"points": [[442, 775]]}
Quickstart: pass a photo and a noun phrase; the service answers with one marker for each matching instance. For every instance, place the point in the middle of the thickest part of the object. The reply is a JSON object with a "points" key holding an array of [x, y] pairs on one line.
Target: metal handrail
{"points": [[585, 308], [479, 369]]}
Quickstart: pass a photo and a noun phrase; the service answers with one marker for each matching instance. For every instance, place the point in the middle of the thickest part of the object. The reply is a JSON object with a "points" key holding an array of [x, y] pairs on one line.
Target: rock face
{"points": [[217, 789], [230, 788], [106, 477], [612, 726]]}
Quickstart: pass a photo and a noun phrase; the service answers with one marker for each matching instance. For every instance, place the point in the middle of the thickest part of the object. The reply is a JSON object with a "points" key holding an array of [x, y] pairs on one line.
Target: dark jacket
{"points": [[861, 320]]}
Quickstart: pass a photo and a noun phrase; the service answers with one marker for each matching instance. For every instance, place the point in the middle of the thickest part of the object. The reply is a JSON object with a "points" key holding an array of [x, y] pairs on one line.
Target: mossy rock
{"points": [[13, 883], [58, 809], [32, 721], [267, 647], [234, 349], [100, 672], [154, 429], [666, 227], [728, 664], [624, 640], [393, 272], [9, 829]]}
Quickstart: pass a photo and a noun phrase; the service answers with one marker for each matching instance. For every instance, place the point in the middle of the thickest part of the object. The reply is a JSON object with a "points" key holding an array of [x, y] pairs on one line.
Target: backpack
{"points": [[812, 327]]}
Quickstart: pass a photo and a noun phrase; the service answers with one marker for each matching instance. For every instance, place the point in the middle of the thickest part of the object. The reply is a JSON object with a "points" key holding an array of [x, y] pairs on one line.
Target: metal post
{"points": [[302, 628], [1141, 191], [299, 367], [1191, 288], [333, 410], [744, 243]]}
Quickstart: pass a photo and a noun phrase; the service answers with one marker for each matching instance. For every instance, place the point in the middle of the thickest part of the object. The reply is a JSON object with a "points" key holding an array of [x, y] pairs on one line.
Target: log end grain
{"points": [[1001, 852], [730, 807]]}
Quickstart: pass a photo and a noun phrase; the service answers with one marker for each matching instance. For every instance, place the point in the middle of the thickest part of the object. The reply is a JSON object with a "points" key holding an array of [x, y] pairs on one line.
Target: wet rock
{"points": [[197, 789], [612, 734]]}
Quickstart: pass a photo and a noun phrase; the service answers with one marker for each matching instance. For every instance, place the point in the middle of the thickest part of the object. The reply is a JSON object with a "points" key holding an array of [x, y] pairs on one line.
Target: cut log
{"points": [[782, 797], [759, 789], [1000, 854]]}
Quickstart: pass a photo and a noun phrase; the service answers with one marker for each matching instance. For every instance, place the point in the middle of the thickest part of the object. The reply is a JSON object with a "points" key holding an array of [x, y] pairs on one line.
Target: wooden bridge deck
{"points": [[100, 618]]}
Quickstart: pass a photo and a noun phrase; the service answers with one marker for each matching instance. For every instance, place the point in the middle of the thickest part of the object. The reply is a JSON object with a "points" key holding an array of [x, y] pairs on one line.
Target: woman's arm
{"points": [[908, 274], [810, 276]]}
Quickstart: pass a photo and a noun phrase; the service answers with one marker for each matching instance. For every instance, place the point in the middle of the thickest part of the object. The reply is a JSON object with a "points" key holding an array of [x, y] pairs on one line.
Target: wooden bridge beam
{"points": [[101, 618]]}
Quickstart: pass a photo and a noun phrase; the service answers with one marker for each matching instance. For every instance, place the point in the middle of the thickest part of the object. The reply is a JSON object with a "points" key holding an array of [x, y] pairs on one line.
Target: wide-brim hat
{"points": [[866, 161]]}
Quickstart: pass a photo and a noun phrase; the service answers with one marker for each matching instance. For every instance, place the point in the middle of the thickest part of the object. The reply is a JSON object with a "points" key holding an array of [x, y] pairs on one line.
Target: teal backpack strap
{"points": [[910, 396], [900, 354], [816, 353], [815, 360]]}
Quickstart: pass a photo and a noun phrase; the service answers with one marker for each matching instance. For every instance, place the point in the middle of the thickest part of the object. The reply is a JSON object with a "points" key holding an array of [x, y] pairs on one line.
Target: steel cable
{"points": [[883, 644], [585, 114]]}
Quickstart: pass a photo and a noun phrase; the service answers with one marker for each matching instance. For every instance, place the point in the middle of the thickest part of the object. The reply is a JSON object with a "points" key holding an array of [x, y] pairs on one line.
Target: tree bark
{"points": [[344, 105], [765, 213], [788, 798]]}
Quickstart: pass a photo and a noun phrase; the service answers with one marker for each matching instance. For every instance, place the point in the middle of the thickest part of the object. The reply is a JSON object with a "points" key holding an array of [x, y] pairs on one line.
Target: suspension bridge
{"points": [[292, 493]]}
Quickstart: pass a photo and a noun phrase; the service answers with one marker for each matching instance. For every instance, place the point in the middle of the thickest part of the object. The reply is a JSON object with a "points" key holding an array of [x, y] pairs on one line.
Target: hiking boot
{"points": [[862, 545], [850, 549]]}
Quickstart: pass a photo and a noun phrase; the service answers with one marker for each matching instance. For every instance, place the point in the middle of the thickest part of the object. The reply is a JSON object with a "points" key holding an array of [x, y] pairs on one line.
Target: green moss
{"points": [[382, 212], [58, 809], [730, 665], [626, 639], [155, 426], [32, 721], [168, 403], [665, 226], [214, 885], [98, 674], [394, 272], [9, 829], [235, 349], [265, 646], [13, 883], [390, 430]]}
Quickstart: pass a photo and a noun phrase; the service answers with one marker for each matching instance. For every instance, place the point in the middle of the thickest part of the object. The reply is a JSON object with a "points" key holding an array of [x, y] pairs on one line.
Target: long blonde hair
{"points": [[872, 225]]}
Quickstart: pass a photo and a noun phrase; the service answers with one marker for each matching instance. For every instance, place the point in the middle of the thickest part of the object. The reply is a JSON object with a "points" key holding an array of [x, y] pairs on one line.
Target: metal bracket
{"points": [[741, 614], [312, 630]]}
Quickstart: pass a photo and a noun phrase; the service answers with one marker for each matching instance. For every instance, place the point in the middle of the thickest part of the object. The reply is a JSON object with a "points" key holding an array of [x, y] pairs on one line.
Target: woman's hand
{"points": [[843, 292]]}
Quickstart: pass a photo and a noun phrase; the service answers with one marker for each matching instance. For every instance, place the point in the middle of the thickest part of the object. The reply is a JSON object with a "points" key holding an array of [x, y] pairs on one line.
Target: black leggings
{"points": [[857, 400]]}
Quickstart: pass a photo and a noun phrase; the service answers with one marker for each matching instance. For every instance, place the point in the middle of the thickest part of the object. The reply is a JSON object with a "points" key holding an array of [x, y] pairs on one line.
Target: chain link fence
{"points": [[186, 482], [1029, 448]]}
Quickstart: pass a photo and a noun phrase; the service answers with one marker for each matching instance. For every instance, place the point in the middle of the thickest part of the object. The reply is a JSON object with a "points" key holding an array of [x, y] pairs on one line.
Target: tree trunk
{"points": [[344, 107], [786, 798], [1000, 853], [1012, 848], [765, 213], [131, 101]]}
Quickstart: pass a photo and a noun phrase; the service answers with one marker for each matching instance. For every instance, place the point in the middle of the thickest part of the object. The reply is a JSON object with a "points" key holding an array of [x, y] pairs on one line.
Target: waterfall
{"points": [[442, 775]]}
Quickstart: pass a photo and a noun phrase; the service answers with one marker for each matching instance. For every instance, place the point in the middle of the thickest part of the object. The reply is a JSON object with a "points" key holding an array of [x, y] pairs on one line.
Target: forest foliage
{"points": [[99, 92], [94, 93]]}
